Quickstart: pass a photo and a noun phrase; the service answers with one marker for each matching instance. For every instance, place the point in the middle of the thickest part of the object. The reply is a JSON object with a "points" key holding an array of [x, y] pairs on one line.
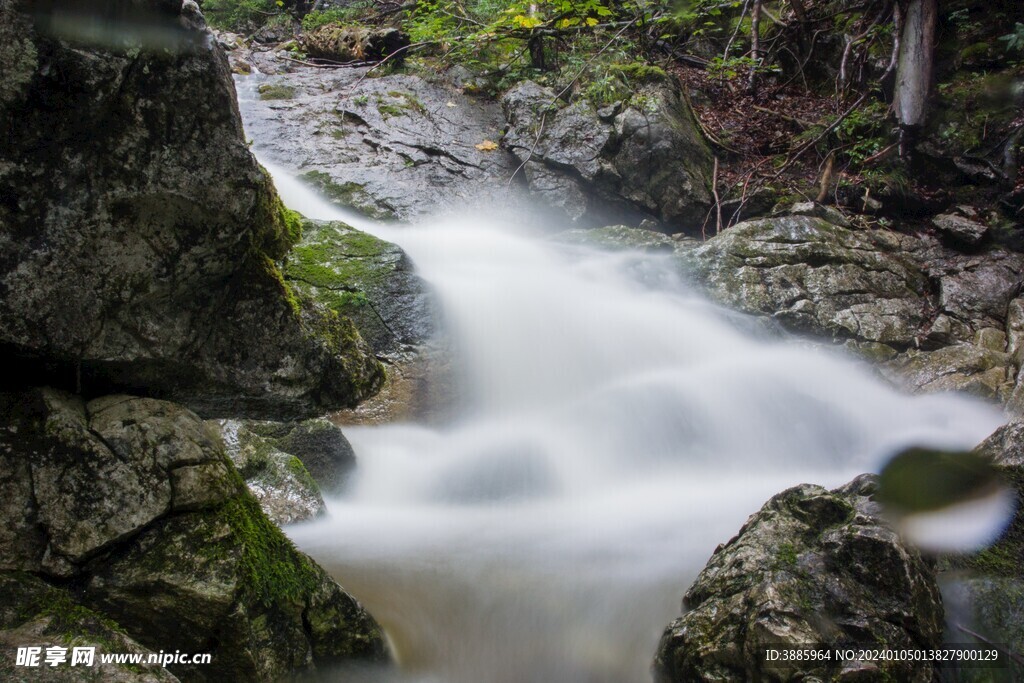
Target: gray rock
{"points": [[960, 367], [960, 229], [278, 480], [230, 573], [978, 289], [138, 237], [135, 500], [815, 277], [396, 146], [88, 496], [649, 161], [35, 614], [812, 567], [619, 238], [817, 210], [323, 448], [1015, 330], [366, 279]]}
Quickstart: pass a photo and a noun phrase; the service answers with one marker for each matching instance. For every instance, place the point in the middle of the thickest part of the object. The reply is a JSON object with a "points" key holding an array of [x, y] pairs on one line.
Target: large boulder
{"points": [[812, 568], [133, 504], [815, 277], [138, 236], [643, 158], [936, 319]]}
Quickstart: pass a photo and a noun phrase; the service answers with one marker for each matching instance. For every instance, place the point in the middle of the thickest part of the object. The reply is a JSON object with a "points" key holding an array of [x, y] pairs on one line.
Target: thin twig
{"points": [[332, 65], [1009, 653], [718, 202], [739, 22], [806, 146], [801, 122]]}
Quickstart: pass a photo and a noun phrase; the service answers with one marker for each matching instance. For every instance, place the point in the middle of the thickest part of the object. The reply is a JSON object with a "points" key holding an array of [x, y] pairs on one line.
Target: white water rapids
{"points": [[617, 431]]}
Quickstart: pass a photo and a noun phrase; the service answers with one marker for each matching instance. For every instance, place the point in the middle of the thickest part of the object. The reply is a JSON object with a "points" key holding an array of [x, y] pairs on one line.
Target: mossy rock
{"points": [[813, 567], [133, 505], [34, 613], [228, 581], [350, 194], [365, 279], [153, 269], [276, 91]]}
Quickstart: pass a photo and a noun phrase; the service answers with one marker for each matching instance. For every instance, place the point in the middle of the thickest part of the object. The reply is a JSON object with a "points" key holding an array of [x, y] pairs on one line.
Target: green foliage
{"points": [[240, 15], [865, 132], [349, 14], [704, 17], [1014, 41]]}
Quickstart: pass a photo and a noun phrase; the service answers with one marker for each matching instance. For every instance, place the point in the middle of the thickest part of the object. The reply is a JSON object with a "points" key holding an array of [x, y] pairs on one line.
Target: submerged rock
{"points": [[619, 238], [812, 568], [138, 235], [135, 500], [644, 158]]}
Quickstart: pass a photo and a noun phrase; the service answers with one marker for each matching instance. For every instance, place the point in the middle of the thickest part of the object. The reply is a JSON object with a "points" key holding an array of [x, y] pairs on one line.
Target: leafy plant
{"points": [[1014, 41], [343, 15]]}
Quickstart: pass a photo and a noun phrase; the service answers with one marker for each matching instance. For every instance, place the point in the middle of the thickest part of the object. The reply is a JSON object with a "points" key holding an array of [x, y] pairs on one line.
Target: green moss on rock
{"points": [[352, 194], [276, 91], [271, 569]]}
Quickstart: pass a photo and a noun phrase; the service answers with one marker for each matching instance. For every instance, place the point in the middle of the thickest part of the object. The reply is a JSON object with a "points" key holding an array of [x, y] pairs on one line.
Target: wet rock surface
{"points": [[278, 480], [815, 277], [138, 235], [812, 567], [642, 160], [135, 501], [937, 319], [396, 146]]}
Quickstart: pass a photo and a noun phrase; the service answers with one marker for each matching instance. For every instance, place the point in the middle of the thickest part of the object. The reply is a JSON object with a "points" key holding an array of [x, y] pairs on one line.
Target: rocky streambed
{"points": [[183, 334]]}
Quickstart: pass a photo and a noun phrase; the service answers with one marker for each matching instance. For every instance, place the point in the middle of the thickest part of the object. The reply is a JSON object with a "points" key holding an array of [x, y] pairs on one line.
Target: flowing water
{"points": [[616, 429]]}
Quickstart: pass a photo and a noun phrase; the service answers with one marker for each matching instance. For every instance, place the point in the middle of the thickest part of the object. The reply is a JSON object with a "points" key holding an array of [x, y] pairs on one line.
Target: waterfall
{"points": [[618, 427]]}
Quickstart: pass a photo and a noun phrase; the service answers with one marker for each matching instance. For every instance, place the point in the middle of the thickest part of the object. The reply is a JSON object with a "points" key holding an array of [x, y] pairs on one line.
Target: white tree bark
{"points": [[914, 72]]}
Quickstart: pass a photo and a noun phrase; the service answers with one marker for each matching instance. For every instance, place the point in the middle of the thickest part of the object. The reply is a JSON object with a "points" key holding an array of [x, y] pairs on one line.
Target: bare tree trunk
{"points": [[755, 44], [799, 10], [914, 72]]}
